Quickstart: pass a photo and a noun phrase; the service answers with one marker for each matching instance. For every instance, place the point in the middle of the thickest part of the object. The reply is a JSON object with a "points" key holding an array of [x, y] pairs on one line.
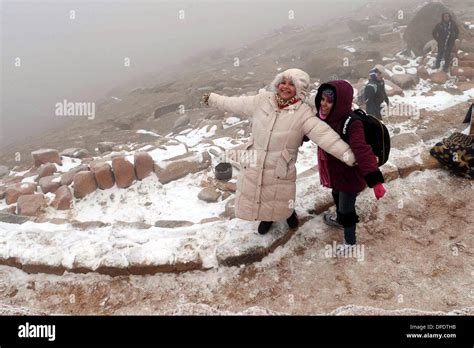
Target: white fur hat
{"points": [[300, 80]]}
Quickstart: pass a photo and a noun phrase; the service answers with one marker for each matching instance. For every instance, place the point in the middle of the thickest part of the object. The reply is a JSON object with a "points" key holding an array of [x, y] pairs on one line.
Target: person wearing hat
{"points": [[266, 185], [374, 93], [333, 104], [445, 33]]}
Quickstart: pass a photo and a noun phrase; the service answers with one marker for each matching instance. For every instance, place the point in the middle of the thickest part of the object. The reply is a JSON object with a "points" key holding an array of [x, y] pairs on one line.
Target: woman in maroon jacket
{"points": [[334, 104]]}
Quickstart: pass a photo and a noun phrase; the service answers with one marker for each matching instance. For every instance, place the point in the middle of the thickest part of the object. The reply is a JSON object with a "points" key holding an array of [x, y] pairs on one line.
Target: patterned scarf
{"points": [[282, 103]]}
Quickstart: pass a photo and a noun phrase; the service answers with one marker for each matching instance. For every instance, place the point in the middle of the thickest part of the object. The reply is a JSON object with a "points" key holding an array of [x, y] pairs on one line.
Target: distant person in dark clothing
{"points": [[374, 93], [445, 33]]}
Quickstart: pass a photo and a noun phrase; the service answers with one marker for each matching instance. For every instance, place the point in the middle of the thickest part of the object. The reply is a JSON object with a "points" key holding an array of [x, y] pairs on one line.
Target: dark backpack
{"points": [[362, 96], [376, 134]]}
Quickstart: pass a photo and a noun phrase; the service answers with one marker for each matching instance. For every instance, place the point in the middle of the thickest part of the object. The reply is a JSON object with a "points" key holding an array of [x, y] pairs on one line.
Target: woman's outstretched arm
{"points": [[243, 105], [326, 138]]}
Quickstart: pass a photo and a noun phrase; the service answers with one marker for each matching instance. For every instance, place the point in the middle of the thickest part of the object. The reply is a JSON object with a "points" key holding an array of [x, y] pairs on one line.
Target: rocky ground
{"points": [[417, 254]]}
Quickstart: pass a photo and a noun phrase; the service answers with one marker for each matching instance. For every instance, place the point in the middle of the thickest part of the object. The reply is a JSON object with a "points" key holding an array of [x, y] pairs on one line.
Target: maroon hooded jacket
{"points": [[343, 177]]}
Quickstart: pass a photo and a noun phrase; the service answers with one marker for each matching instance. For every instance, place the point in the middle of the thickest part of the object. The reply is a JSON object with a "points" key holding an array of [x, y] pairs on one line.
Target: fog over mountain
{"points": [[79, 56]]}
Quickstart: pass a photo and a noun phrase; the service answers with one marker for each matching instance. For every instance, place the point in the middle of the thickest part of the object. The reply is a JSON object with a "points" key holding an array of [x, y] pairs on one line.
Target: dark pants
{"points": [[444, 53], [374, 109], [346, 214]]}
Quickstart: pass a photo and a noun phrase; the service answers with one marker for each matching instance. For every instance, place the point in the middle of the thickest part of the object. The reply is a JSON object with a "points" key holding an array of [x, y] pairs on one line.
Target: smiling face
{"points": [[326, 105], [286, 89]]}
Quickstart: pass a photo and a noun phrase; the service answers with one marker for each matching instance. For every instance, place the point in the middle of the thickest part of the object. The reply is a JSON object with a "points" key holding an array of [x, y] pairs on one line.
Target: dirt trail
{"points": [[418, 244]]}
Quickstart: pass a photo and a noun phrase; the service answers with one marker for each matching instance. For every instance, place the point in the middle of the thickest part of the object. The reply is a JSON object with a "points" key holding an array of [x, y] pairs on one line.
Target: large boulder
{"points": [[43, 156], [84, 183], [63, 198], [392, 89], [143, 164], [13, 192], [31, 205], [49, 184], [124, 172], [404, 81], [180, 166], [418, 32], [103, 175], [68, 177]]}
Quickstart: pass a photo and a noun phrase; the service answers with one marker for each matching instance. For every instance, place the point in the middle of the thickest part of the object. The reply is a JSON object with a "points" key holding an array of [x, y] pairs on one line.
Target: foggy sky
{"points": [[81, 59]]}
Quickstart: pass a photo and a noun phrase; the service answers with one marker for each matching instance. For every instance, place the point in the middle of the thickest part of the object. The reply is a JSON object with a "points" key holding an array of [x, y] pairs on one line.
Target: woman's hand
{"points": [[379, 191], [205, 98]]}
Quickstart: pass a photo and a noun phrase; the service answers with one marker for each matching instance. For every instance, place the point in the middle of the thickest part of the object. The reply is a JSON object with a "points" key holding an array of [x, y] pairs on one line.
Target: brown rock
{"points": [[14, 191], [423, 73], [463, 71], [31, 205], [84, 183], [392, 89], [173, 223], [105, 146], [439, 77], [46, 169], [466, 63], [76, 153], [429, 162], [219, 184], [143, 165], [63, 198], [103, 175], [123, 171], [68, 177], [406, 166], [209, 195], [465, 86], [43, 156], [404, 81], [48, 184], [180, 166]]}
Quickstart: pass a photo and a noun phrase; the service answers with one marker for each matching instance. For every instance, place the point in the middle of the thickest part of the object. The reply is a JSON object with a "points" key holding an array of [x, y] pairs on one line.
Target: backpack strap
{"points": [[353, 116]]}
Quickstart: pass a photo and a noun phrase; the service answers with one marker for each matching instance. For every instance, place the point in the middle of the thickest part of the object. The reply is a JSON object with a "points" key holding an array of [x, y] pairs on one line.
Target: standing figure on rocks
{"points": [[374, 94], [445, 33], [334, 104], [266, 186]]}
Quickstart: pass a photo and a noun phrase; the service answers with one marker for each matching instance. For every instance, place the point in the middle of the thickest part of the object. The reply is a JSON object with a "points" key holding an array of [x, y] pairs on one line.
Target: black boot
{"points": [[292, 221], [264, 227]]}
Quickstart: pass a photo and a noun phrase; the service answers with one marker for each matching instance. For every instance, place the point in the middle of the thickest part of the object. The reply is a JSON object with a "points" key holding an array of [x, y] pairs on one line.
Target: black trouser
{"points": [[346, 214], [444, 52]]}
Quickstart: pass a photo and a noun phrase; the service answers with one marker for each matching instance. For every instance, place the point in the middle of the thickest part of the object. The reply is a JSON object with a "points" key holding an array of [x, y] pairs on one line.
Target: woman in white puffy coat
{"points": [[266, 186]]}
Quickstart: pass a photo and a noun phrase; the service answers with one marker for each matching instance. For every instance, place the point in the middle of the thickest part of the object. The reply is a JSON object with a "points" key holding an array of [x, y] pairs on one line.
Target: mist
{"points": [[75, 50]]}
